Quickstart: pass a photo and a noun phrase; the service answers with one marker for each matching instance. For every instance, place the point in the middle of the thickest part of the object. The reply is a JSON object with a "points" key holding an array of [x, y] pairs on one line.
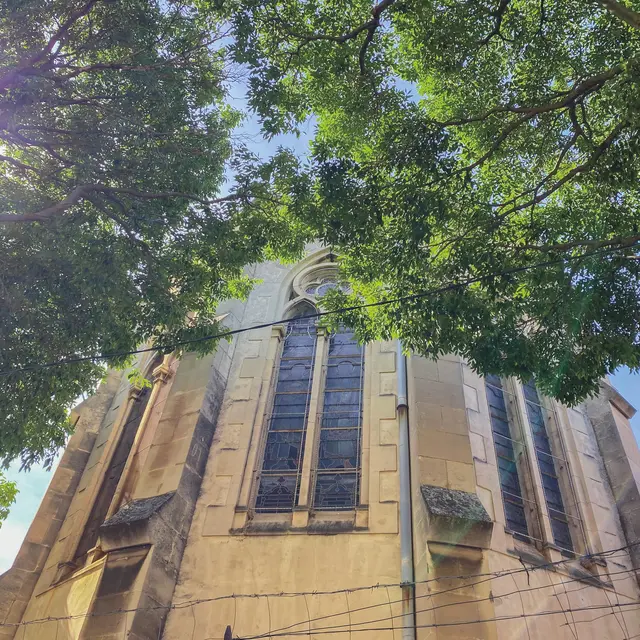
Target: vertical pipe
{"points": [[406, 533]]}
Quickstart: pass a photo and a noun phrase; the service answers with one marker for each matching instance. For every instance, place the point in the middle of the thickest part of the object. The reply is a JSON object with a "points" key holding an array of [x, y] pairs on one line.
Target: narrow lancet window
{"points": [[338, 472]]}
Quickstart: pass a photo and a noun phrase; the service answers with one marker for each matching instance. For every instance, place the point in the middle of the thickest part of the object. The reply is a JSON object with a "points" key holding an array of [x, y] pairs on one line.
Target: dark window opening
{"points": [[279, 482], [514, 507], [112, 475], [546, 463]]}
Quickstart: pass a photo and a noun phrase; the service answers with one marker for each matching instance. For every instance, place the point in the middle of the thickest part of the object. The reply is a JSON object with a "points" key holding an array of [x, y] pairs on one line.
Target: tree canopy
{"points": [[114, 139], [485, 149], [460, 139]]}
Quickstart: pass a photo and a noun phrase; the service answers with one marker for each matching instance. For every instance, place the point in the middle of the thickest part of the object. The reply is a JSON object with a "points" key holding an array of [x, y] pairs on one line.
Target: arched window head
{"points": [[316, 281], [302, 308]]}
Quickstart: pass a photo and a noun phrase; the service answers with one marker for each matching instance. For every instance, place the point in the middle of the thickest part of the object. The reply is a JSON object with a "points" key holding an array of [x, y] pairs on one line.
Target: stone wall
{"points": [[18, 583], [187, 533]]}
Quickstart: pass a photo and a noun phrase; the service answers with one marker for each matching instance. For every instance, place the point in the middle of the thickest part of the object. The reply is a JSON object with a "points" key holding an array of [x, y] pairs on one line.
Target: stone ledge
{"points": [[343, 522], [456, 517], [137, 510]]}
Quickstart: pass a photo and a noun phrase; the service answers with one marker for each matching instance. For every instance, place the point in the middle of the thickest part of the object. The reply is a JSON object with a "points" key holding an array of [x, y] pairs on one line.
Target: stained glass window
{"points": [[338, 466], [547, 464], [507, 462], [279, 481]]}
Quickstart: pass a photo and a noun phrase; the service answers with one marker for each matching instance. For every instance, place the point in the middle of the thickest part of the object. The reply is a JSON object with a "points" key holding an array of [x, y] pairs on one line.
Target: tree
{"points": [[8, 493], [114, 142], [485, 147]]}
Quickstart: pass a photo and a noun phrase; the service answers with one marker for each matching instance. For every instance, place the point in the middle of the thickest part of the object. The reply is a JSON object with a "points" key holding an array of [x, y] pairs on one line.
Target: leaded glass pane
{"points": [[277, 493], [336, 491], [279, 481], [550, 485], [338, 474], [506, 457]]}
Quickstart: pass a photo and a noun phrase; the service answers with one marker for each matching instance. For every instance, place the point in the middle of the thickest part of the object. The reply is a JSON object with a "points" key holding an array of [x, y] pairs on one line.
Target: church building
{"points": [[298, 484]]}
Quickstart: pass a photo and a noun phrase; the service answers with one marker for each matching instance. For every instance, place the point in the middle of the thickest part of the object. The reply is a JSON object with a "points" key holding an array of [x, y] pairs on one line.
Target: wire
{"points": [[391, 617], [225, 334], [191, 603], [461, 623], [486, 578]]}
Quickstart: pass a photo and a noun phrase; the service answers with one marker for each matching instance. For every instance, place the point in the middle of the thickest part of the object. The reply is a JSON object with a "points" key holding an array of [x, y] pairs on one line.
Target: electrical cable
{"points": [[430, 609], [167, 348], [436, 625], [190, 603]]}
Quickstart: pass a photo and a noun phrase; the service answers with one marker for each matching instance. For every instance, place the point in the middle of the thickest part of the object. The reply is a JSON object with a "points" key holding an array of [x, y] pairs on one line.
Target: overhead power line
{"points": [[236, 596], [232, 332], [439, 593], [435, 625]]}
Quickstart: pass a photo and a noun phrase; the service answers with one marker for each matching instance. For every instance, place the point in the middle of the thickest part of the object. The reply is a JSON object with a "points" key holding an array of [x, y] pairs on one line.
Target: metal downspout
{"points": [[406, 525]]}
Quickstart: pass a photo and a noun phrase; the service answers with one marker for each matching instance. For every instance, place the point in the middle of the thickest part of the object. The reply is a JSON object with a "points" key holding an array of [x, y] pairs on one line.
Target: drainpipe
{"points": [[406, 533]]}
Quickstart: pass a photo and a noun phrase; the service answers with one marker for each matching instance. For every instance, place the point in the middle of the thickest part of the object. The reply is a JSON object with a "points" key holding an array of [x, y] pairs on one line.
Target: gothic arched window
{"points": [[312, 447]]}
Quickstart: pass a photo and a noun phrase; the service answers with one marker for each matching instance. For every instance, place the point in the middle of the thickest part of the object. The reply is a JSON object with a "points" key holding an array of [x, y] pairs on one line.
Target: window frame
{"points": [[308, 478], [539, 520]]}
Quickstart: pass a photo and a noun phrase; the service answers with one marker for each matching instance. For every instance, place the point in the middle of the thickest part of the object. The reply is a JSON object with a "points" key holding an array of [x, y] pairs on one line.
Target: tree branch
{"points": [[83, 192], [46, 214], [622, 12], [498, 14], [581, 168], [369, 26], [17, 163], [581, 90], [628, 241], [31, 62]]}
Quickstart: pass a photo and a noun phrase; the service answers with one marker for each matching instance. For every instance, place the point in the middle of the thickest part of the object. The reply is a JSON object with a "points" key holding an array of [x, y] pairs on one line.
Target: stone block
{"points": [[220, 491], [454, 421], [450, 372], [479, 423], [485, 496], [427, 416], [456, 517], [239, 411], [384, 458], [460, 476], [383, 407], [471, 398], [388, 384], [168, 454], [193, 373], [149, 618], [442, 394], [383, 517], [252, 368], [229, 435], [252, 348], [446, 446], [424, 369], [389, 486], [385, 362], [478, 449], [388, 432], [433, 471], [241, 389]]}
